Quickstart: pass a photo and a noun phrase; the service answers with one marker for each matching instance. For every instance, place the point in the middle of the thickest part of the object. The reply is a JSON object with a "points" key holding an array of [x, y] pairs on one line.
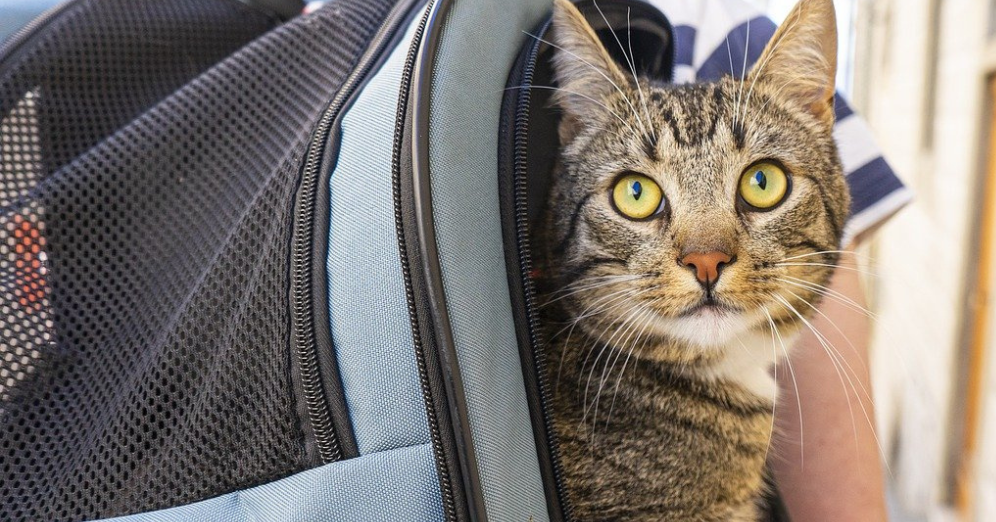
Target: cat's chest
{"points": [[647, 444]]}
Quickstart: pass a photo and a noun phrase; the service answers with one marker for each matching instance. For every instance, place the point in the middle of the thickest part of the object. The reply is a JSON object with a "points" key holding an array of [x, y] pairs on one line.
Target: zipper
{"points": [[516, 149], [521, 221], [435, 429], [307, 348]]}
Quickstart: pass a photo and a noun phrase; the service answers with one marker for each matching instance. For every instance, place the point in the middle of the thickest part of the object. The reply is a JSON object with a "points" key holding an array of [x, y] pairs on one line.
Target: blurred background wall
{"points": [[921, 72]]}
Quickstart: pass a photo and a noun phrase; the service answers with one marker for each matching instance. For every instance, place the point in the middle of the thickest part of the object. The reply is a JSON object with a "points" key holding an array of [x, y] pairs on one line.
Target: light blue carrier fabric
{"points": [[391, 486], [478, 46], [371, 332], [395, 478]]}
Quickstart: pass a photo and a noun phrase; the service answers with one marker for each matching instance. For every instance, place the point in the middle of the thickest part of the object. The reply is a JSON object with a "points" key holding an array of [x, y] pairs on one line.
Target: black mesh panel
{"points": [[145, 222]]}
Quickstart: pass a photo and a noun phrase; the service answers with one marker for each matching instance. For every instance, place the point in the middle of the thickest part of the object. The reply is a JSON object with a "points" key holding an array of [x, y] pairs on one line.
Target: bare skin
{"points": [[837, 474]]}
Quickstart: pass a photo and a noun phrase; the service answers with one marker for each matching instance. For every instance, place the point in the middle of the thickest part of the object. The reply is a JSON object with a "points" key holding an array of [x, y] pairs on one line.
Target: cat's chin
{"points": [[708, 327]]}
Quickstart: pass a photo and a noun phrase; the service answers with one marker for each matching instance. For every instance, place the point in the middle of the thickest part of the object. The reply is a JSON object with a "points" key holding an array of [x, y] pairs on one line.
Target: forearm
{"points": [[827, 462]]}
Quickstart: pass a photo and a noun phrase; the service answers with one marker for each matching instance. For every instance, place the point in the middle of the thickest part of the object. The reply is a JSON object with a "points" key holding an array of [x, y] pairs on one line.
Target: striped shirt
{"points": [[711, 34]]}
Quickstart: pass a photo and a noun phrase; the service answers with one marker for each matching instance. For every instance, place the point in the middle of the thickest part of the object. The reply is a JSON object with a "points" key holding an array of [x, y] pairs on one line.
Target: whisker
{"points": [[632, 58], [622, 371], [795, 384], [733, 75], [633, 294], [607, 368], [596, 69], [833, 360], [632, 65], [822, 252], [839, 365], [630, 316], [834, 348], [829, 293], [614, 297], [571, 290], [774, 394], [858, 270], [589, 98], [833, 324], [757, 73], [743, 75]]}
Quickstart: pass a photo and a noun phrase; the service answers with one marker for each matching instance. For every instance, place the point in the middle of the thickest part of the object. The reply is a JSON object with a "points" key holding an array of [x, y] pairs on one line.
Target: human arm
{"points": [[836, 474]]}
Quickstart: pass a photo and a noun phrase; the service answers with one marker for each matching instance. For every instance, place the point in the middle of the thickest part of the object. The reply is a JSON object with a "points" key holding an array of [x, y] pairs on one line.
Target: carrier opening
{"points": [[528, 151]]}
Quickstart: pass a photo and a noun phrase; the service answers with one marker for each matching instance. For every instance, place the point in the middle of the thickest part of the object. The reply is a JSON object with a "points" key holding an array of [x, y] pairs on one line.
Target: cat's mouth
{"points": [[707, 323], [709, 306]]}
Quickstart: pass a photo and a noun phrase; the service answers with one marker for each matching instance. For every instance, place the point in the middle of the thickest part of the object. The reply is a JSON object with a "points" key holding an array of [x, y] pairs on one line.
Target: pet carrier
{"points": [[257, 269]]}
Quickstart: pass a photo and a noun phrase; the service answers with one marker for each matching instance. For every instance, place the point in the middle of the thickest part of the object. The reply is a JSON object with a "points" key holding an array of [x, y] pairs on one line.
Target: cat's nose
{"points": [[707, 265]]}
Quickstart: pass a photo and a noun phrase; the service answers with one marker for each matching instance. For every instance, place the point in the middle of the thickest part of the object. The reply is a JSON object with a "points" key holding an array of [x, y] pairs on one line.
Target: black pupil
{"points": [[637, 190], [761, 180]]}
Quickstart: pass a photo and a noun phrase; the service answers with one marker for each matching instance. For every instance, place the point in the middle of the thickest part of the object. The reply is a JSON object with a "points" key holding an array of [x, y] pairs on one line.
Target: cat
{"points": [[687, 231]]}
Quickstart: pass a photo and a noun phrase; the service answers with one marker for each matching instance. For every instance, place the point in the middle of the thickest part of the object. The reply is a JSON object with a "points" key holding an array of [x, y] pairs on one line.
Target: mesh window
{"points": [[149, 159]]}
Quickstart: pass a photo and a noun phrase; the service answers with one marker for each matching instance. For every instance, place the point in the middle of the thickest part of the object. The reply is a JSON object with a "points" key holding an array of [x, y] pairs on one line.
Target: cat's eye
{"points": [[637, 197], [763, 186]]}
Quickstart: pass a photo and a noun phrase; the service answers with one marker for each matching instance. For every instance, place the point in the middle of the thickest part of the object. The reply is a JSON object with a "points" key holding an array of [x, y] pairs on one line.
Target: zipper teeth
{"points": [[449, 504], [319, 413], [526, 266], [318, 410]]}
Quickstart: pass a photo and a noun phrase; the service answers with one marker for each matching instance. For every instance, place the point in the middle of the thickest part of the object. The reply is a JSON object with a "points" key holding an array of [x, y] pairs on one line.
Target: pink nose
{"points": [[707, 265]]}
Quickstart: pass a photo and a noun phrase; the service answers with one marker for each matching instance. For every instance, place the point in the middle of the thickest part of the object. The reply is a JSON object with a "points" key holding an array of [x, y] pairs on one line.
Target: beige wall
{"points": [[920, 257]]}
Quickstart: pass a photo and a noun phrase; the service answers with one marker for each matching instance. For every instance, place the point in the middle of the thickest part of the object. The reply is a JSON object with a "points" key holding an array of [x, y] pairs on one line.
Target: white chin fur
{"points": [[708, 328], [746, 355]]}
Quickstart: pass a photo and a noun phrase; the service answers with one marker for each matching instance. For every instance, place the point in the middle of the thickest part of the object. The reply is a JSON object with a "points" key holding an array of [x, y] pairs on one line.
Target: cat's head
{"points": [[696, 212]]}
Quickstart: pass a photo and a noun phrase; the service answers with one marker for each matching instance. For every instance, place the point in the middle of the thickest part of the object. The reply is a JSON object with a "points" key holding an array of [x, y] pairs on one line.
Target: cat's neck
{"points": [[749, 362], [743, 371]]}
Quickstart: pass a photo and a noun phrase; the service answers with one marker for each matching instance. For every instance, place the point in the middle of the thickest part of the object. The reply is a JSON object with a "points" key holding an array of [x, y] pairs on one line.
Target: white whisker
{"points": [[597, 70], [858, 270], [795, 384], [589, 98], [842, 367], [632, 67]]}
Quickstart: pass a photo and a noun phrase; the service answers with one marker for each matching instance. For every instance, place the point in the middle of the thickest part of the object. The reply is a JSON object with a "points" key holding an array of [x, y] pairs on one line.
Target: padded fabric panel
{"points": [[392, 486], [478, 46], [371, 331]]}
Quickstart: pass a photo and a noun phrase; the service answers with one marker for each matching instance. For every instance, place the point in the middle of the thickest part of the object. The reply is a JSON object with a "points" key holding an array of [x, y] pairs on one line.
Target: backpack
{"points": [[257, 266]]}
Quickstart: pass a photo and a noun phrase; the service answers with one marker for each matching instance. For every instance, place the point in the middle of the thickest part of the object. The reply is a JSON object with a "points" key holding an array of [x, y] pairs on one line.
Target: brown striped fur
{"points": [[664, 409]]}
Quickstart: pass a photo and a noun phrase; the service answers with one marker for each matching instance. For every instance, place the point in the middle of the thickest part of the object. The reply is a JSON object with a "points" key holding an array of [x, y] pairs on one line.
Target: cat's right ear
{"points": [[585, 72], [800, 61]]}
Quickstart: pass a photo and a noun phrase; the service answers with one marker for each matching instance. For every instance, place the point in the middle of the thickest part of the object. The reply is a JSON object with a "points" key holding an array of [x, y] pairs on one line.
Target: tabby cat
{"points": [[676, 220]]}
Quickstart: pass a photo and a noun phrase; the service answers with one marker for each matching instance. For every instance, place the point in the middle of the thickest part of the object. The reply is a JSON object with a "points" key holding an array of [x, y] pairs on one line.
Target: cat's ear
{"points": [[585, 72], [801, 58]]}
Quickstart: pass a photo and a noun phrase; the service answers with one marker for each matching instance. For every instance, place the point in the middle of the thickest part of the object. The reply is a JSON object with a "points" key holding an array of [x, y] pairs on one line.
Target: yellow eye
{"points": [[637, 197], [763, 186]]}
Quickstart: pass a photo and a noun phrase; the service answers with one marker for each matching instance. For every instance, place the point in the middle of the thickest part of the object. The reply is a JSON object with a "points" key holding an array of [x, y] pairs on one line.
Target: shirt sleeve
{"points": [[714, 38]]}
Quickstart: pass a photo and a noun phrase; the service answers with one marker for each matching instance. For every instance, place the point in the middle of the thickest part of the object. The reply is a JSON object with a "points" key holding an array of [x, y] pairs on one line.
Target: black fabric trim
{"points": [[328, 365], [511, 130], [399, 18], [431, 376], [432, 296]]}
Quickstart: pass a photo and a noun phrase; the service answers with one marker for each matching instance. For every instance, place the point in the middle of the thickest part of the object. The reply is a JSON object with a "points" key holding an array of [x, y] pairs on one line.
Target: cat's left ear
{"points": [[585, 72], [800, 61]]}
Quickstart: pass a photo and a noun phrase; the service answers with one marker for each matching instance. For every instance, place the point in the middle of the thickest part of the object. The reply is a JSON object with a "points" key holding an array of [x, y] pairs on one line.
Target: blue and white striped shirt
{"points": [[709, 34]]}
